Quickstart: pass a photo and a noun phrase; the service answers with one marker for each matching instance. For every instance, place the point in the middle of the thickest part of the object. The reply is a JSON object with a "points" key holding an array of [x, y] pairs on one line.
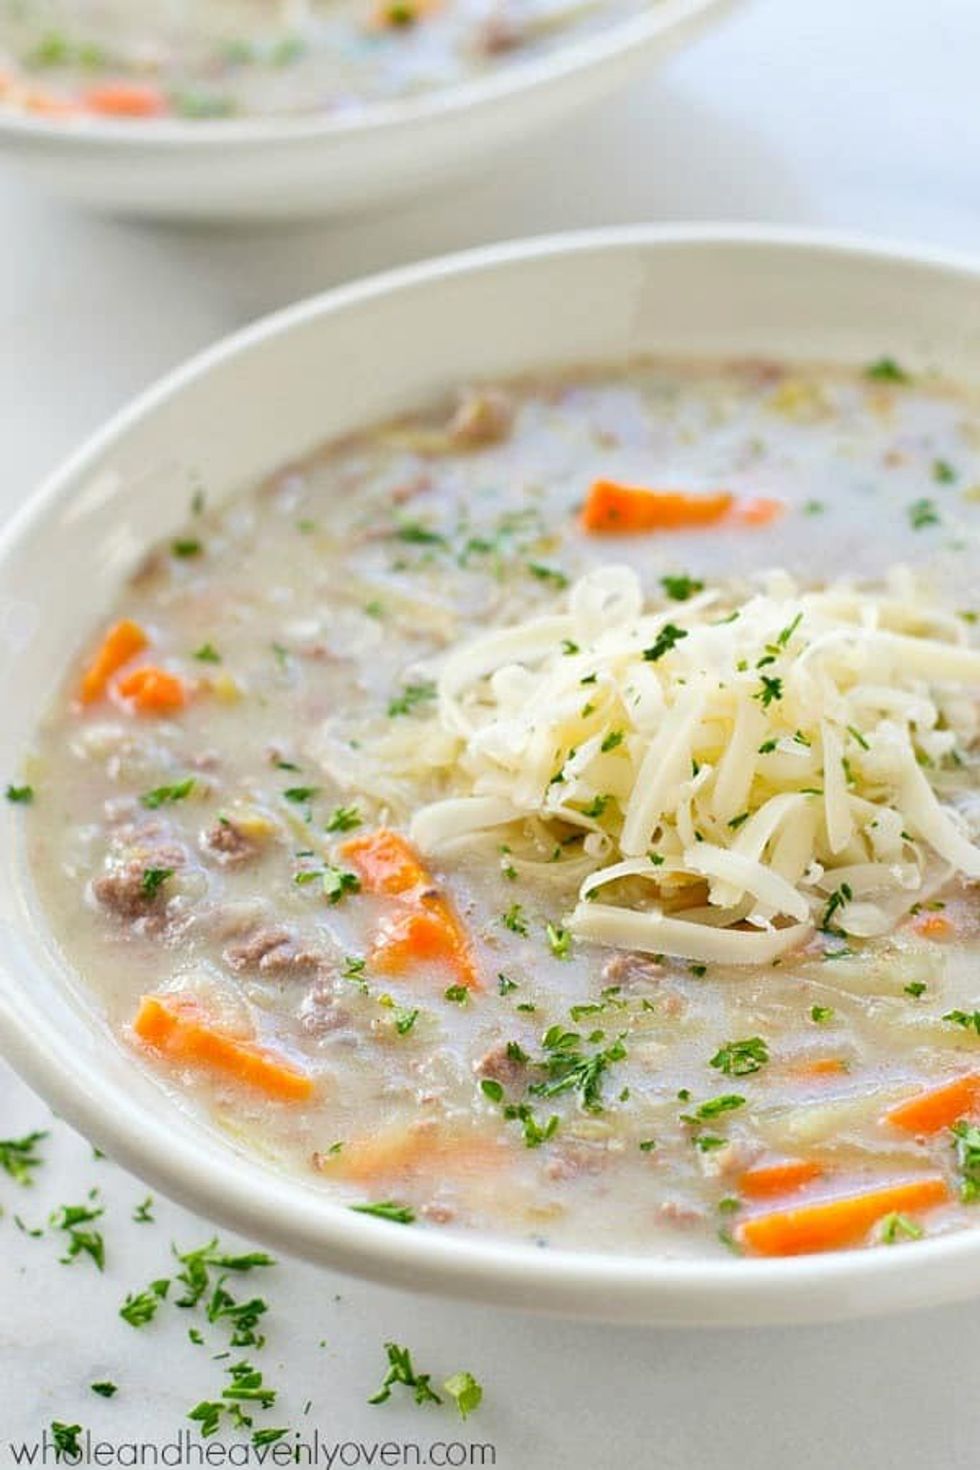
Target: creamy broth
{"points": [[237, 58], [208, 836]]}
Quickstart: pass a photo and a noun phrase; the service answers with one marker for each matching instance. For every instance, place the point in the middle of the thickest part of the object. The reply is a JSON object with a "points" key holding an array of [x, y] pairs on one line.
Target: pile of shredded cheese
{"points": [[724, 775]]}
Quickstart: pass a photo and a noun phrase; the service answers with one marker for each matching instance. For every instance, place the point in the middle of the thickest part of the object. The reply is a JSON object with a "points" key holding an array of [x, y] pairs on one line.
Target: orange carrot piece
{"points": [[122, 642], [933, 926], [757, 511], [44, 103], [614, 509], [125, 99], [938, 1107], [153, 691], [763, 1181], [386, 862], [830, 1224], [430, 934], [817, 1067], [402, 1150], [426, 932], [180, 1031]]}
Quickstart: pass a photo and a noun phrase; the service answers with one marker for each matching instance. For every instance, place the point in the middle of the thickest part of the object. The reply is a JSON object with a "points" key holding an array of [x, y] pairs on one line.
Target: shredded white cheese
{"points": [[738, 772]]}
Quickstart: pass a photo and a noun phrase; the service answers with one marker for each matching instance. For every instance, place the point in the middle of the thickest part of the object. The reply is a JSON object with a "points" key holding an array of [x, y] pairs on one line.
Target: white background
{"points": [[861, 114]]}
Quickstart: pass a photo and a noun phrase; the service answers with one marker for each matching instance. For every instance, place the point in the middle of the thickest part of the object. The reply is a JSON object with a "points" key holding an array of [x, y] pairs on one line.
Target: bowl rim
{"points": [[580, 56], [222, 1185]]}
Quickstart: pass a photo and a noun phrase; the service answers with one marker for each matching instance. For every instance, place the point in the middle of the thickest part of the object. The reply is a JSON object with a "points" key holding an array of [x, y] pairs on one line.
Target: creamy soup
{"points": [[551, 815], [233, 58]]}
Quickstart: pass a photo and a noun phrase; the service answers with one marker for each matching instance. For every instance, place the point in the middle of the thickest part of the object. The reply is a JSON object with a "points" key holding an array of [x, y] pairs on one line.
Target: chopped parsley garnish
{"points": [[194, 1275], [70, 1219], [969, 1020], [338, 882], [515, 921], [820, 1014], [886, 370], [680, 588], [611, 741], [387, 1209], [569, 646], [835, 904], [923, 513], [767, 747], [647, 1145], [535, 1133], [714, 1107], [943, 472], [404, 1021], [596, 807], [344, 819], [24, 795], [207, 654], [554, 575], [300, 794], [458, 994], [104, 1389], [492, 1089], [415, 534], [465, 1392], [411, 697], [505, 985], [569, 1069], [737, 822], [966, 1141], [164, 795], [153, 880], [186, 546], [142, 1215], [141, 1307], [915, 988], [65, 1438], [559, 941], [896, 1226], [19, 1156], [741, 1058], [401, 1371], [668, 638], [353, 970], [771, 688]]}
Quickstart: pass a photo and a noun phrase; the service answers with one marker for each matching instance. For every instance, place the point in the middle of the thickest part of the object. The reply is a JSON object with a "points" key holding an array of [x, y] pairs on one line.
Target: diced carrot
{"points": [[426, 929], [416, 1148], [178, 1028], [938, 1107], [757, 511], [122, 642], [817, 1067], [933, 926], [783, 1176], [125, 99], [614, 509], [43, 103], [386, 862], [153, 691], [429, 934], [830, 1224]]}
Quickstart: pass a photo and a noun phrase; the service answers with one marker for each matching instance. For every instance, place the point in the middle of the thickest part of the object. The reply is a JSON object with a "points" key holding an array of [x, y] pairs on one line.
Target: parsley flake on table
{"points": [[19, 1157]]}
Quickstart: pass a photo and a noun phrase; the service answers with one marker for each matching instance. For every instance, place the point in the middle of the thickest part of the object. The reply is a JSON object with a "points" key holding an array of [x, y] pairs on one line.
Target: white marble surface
{"points": [[854, 113]]}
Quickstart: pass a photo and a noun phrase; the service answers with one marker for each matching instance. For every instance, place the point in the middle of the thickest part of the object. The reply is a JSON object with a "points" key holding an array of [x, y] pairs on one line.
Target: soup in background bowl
{"points": [[540, 820]]}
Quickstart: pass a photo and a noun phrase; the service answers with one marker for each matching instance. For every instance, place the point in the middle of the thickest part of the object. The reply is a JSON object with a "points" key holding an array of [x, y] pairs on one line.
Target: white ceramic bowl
{"points": [[266, 396], [268, 168]]}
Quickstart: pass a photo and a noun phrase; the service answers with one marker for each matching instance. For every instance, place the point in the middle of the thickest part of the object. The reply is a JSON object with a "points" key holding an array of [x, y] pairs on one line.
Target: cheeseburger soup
{"points": [[553, 815]]}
